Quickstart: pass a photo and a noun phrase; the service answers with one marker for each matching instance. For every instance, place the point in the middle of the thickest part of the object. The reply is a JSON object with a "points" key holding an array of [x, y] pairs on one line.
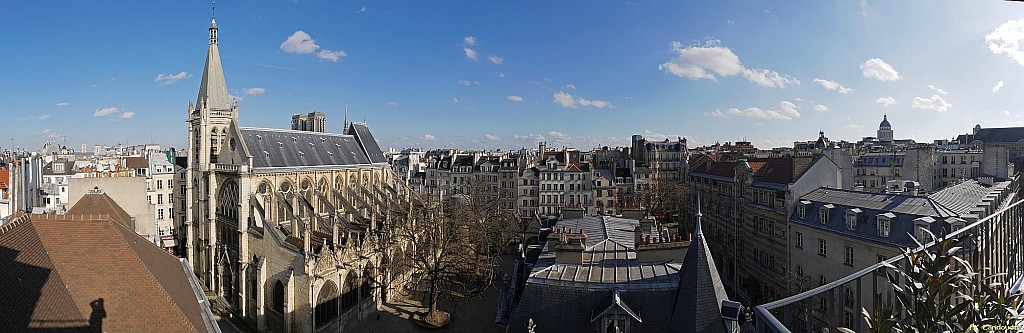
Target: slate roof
{"points": [[74, 273], [69, 168], [698, 305], [369, 144], [213, 87], [943, 206], [999, 135], [276, 148]]}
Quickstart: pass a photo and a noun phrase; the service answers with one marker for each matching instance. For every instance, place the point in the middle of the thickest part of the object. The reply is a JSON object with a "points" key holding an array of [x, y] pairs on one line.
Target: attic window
{"points": [[259, 137], [322, 140], [267, 154], [311, 144], [301, 153], [280, 145], [294, 139]]}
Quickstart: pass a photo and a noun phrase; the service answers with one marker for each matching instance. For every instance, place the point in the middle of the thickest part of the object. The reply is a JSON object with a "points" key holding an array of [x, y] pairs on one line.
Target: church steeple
{"points": [[213, 90]]}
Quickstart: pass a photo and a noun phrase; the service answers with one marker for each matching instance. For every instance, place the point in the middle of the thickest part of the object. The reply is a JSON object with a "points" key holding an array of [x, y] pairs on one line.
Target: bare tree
{"points": [[455, 246]]}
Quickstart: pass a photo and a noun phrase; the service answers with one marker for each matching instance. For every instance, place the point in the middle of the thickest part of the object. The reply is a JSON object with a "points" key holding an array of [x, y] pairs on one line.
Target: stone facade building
{"points": [[279, 221]]}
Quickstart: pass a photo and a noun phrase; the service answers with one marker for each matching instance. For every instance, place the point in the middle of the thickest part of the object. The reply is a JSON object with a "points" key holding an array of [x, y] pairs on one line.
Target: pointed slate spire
{"points": [[698, 307], [213, 90]]}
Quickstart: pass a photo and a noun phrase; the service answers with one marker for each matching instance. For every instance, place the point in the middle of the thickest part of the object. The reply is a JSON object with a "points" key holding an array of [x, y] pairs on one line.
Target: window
{"points": [[823, 216], [881, 270], [149, 199], [849, 256], [159, 184], [801, 211], [277, 301], [851, 221], [799, 271], [159, 199], [883, 226], [822, 247], [921, 233], [799, 240], [159, 214]]}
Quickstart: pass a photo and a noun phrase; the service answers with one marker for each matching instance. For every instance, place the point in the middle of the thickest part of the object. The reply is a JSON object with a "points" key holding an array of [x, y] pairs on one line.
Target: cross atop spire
{"points": [[696, 228]]}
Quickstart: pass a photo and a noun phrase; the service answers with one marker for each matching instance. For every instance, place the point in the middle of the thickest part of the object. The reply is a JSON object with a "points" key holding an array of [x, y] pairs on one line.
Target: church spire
{"points": [[344, 128], [696, 228], [213, 90]]}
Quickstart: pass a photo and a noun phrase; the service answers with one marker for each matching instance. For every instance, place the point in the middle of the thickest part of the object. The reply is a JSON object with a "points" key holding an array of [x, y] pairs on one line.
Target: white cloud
{"points": [[1006, 39], [832, 85], [126, 115], [455, 99], [570, 86], [595, 103], [885, 101], [69, 103], [785, 111], [236, 98], [492, 137], [711, 60], [428, 137], [171, 78], [875, 68], [567, 100], [501, 75], [50, 134], [44, 116], [302, 43], [253, 91], [299, 42], [392, 104], [934, 103], [558, 136], [331, 55], [852, 127], [361, 10], [995, 89], [469, 41], [469, 83], [528, 137], [470, 53], [105, 112], [496, 59], [933, 88], [514, 98], [821, 108]]}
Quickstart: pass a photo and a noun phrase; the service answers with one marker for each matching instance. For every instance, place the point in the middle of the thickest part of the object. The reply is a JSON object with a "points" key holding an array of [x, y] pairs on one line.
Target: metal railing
{"points": [[993, 244]]}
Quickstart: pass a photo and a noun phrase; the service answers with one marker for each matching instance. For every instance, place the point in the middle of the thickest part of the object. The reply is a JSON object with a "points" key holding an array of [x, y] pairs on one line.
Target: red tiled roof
{"points": [[4, 178], [100, 204], [76, 273]]}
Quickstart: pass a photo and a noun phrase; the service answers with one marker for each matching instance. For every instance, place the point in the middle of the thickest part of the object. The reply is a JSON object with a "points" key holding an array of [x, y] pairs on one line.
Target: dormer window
{"points": [[955, 223], [801, 210], [921, 229], [851, 218], [884, 221], [823, 213]]}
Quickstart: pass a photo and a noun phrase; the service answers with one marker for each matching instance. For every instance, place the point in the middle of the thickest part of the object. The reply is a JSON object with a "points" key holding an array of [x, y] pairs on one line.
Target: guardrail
{"points": [[993, 243]]}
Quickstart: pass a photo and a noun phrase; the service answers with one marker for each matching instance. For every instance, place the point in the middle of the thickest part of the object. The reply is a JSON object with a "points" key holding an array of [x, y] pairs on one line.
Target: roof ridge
{"points": [[149, 275], [10, 225]]}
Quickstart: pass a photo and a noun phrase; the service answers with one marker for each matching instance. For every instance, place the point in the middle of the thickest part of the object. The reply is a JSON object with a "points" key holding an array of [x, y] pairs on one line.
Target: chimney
{"points": [[667, 251], [638, 236], [571, 251], [573, 212], [541, 147], [632, 213]]}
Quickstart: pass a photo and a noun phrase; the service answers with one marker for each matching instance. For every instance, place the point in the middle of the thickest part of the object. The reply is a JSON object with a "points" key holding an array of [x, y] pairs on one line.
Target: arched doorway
{"points": [[326, 303]]}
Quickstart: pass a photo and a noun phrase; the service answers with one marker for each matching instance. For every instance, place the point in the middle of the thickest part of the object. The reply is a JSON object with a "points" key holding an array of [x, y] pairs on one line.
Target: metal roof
{"points": [[213, 87]]}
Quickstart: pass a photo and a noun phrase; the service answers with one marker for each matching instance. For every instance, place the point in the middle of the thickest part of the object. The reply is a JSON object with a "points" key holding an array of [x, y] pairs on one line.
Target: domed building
{"points": [[885, 131]]}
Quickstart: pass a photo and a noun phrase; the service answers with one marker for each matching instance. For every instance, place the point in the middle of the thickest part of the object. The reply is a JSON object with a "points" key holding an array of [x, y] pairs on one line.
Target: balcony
{"points": [[992, 244], [231, 168]]}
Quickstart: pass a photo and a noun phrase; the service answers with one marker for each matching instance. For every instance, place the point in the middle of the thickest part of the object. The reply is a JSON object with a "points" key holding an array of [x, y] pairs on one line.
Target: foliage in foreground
{"points": [[941, 292]]}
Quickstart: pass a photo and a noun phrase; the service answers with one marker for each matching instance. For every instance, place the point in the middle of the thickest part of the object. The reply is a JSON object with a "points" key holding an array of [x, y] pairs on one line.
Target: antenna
{"points": [[213, 7]]}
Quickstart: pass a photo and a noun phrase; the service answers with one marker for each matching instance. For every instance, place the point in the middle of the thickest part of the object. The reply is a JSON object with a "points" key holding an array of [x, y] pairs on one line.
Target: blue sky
{"points": [[505, 74]]}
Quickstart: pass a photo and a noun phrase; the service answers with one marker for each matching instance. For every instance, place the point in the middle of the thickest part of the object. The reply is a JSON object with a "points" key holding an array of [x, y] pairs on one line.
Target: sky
{"points": [[507, 74]]}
